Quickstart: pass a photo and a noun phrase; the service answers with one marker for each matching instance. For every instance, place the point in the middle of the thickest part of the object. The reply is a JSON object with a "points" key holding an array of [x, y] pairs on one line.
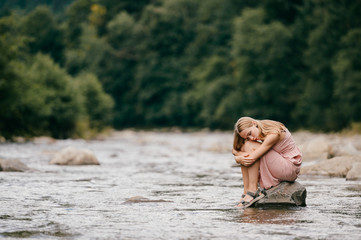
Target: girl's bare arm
{"points": [[269, 141]]}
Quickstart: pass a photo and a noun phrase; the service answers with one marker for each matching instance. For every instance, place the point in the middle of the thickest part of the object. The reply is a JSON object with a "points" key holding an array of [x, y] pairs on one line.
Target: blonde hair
{"points": [[265, 127]]}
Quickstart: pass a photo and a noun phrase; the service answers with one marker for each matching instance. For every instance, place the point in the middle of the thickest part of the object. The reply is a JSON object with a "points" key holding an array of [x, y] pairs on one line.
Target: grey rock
{"points": [[74, 156], [334, 167], [355, 172], [141, 199], [12, 165], [284, 194]]}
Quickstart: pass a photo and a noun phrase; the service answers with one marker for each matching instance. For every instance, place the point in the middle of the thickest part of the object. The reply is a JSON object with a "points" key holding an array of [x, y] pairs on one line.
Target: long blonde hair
{"points": [[265, 127]]}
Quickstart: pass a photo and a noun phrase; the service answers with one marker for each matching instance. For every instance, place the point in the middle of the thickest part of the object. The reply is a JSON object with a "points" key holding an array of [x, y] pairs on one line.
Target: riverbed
{"points": [[190, 184]]}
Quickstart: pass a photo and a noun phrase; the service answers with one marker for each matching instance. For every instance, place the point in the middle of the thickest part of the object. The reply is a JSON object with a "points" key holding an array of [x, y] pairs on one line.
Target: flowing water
{"points": [[191, 172]]}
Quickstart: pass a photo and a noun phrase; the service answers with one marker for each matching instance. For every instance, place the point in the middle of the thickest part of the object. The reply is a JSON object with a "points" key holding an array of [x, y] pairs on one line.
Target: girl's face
{"points": [[250, 133]]}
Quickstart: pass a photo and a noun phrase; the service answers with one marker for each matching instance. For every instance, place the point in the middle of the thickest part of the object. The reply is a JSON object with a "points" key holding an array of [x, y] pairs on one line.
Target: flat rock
{"points": [[12, 165], [284, 194], [74, 156], [140, 199]]}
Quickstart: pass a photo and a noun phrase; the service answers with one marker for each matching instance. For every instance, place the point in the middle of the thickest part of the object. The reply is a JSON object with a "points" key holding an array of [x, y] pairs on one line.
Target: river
{"points": [[191, 172]]}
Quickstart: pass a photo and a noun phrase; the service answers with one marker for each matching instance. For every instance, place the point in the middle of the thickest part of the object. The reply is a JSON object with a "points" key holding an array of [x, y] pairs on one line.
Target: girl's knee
{"points": [[250, 146]]}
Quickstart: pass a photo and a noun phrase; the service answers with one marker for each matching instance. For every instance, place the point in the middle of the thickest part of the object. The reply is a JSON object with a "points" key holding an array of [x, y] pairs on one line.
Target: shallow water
{"points": [[191, 171]]}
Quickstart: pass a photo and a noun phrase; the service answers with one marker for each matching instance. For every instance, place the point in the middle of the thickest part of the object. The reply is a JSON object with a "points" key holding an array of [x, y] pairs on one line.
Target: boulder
{"points": [[43, 140], [346, 148], [284, 194], [316, 149], [12, 165], [74, 156], [355, 172], [334, 167]]}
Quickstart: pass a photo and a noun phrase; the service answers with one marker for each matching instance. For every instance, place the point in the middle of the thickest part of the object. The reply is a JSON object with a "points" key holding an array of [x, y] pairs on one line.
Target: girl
{"points": [[267, 154]]}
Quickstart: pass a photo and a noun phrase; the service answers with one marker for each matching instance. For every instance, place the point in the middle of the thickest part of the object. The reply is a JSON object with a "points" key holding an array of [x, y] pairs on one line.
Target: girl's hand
{"points": [[244, 159], [235, 152]]}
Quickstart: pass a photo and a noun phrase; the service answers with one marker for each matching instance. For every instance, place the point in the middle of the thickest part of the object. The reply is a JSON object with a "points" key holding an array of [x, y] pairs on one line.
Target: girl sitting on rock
{"points": [[267, 154]]}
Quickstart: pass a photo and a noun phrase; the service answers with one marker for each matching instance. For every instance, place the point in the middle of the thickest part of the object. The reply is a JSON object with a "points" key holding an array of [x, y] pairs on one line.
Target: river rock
{"points": [[141, 199], [345, 149], [284, 194], [74, 156], [316, 149], [12, 165], [355, 172], [43, 140], [334, 167]]}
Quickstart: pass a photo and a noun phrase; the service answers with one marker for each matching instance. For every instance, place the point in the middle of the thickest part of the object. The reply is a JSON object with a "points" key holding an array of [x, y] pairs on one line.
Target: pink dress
{"points": [[281, 163]]}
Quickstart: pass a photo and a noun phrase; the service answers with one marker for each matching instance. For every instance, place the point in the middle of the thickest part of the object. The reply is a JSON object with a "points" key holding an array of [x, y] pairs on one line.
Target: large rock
{"points": [[316, 149], [74, 156], [346, 148], [12, 165], [334, 167], [284, 194], [355, 172]]}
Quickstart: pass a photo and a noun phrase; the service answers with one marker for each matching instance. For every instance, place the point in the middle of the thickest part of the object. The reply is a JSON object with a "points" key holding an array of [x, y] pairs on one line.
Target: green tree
{"points": [[98, 105], [347, 70], [117, 67], [266, 82], [161, 73], [11, 47], [50, 101], [212, 83], [77, 14], [88, 54], [45, 34], [328, 24]]}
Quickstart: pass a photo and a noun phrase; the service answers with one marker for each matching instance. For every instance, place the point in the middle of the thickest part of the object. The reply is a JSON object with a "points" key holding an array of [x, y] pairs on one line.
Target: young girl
{"points": [[267, 154]]}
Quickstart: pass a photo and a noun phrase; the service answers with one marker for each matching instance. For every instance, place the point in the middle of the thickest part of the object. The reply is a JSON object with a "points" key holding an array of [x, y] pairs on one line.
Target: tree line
{"points": [[67, 67]]}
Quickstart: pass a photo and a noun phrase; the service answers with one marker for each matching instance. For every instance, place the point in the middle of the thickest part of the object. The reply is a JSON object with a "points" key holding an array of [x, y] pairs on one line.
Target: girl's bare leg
{"points": [[251, 172], [245, 177]]}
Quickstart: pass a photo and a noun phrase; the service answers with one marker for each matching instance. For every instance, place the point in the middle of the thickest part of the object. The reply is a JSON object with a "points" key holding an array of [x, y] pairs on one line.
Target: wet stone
{"points": [[12, 165], [74, 156], [355, 172], [140, 199], [284, 194]]}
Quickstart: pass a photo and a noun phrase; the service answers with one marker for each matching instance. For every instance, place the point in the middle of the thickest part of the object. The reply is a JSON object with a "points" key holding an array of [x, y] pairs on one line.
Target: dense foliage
{"points": [[69, 66]]}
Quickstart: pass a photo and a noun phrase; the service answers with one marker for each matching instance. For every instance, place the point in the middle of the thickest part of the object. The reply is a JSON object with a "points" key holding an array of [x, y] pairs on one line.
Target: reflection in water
{"points": [[268, 216]]}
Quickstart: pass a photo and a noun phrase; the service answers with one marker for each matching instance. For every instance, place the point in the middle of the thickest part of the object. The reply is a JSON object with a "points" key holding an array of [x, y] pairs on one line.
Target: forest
{"points": [[72, 67]]}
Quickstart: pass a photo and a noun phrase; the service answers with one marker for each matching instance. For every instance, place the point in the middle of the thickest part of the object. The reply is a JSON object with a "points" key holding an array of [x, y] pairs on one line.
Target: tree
{"points": [[98, 105], [88, 54], [211, 85], [265, 77], [161, 73], [11, 47], [49, 103], [45, 34], [77, 14], [347, 70], [328, 24], [116, 68]]}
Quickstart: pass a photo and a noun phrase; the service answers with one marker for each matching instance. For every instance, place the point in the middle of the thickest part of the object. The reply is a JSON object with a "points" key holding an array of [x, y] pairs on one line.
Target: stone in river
{"points": [[12, 165], [74, 156], [355, 172], [140, 199], [333, 167], [284, 194]]}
